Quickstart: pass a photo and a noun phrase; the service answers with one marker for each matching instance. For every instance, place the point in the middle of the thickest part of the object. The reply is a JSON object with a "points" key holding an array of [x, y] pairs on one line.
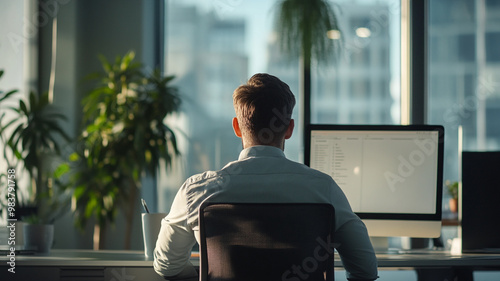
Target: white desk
{"points": [[85, 265], [65, 265]]}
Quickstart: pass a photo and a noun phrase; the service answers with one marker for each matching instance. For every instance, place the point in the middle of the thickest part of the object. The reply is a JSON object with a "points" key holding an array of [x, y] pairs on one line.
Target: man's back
{"points": [[262, 174]]}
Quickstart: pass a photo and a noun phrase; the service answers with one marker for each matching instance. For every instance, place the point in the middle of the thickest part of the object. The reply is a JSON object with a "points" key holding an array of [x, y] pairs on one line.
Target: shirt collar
{"points": [[261, 151]]}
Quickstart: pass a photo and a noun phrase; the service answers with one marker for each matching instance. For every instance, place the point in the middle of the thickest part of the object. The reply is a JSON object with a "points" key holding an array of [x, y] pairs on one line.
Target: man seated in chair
{"points": [[261, 174]]}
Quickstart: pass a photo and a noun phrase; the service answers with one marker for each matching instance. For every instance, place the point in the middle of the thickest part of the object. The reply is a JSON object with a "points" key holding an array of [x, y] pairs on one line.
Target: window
{"points": [[367, 75], [466, 47], [214, 46], [212, 50], [464, 87], [492, 42]]}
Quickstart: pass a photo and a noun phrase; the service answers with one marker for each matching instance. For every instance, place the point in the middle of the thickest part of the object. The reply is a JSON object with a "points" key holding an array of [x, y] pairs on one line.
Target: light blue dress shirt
{"points": [[261, 174]]}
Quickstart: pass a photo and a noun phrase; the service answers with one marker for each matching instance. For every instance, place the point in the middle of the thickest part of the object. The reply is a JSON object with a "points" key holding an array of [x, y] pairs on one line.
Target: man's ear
{"points": [[236, 127], [289, 130]]}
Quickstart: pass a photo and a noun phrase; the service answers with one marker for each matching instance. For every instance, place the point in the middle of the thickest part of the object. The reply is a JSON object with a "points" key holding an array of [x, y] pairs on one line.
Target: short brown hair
{"points": [[264, 108]]}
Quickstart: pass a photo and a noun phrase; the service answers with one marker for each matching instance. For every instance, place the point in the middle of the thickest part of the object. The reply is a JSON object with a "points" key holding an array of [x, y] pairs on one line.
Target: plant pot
{"points": [[453, 205], [38, 237]]}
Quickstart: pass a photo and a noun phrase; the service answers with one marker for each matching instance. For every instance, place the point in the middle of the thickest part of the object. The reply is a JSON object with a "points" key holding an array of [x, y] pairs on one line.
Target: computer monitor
{"points": [[392, 175]]}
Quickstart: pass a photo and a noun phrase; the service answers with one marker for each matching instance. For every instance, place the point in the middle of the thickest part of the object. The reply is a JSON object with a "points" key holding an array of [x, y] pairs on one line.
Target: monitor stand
{"points": [[381, 245], [411, 245], [408, 245]]}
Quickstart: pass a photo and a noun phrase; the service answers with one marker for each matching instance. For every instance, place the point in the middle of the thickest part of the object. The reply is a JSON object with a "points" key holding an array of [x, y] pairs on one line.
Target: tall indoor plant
{"points": [[123, 138], [302, 27]]}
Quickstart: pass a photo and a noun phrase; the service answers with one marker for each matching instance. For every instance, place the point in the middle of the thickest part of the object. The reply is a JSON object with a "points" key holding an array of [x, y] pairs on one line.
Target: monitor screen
{"points": [[391, 174]]}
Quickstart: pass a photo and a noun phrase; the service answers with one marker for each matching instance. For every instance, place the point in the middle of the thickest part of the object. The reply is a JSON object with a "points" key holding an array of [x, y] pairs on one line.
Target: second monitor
{"points": [[392, 175]]}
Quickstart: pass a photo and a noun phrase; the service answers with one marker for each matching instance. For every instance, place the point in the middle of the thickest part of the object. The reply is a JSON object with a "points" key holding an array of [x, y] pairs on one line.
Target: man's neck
{"points": [[248, 145]]}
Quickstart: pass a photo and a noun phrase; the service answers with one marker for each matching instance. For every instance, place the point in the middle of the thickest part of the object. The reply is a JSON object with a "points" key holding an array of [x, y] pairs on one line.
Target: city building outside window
{"points": [[214, 46], [464, 76]]}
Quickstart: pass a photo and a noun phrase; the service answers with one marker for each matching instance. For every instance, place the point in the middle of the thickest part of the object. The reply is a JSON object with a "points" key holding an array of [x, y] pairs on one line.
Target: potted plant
{"points": [[452, 188], [32, 144], [123, 137]]}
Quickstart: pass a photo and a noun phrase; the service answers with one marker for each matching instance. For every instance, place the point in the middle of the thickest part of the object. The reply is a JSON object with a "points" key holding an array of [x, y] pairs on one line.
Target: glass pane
{"points": [[464, 76], [212, 47], [364, 86]]}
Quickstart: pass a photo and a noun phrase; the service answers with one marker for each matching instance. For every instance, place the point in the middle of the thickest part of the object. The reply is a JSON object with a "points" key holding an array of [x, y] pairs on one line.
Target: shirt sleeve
{"points": [[352, 240], [356, 251], [175, 241]]}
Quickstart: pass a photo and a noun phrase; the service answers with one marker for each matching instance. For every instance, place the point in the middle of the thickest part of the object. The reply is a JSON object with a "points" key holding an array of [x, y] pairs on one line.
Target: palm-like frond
{"points": [[302, 29], [35, 131]]}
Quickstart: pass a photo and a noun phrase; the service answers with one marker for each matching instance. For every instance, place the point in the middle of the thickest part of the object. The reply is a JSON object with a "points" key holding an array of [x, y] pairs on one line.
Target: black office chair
{"points": [[264, 241]]}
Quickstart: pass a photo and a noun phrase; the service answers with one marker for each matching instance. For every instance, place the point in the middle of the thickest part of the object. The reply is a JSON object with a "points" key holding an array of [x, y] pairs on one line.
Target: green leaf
{"points": [[3, 128], [79, 191], [8, 94], [43, 101], [126, 60], [23, 107], [18, 154], [92, 76], [15, 109], [91, 206], [53, 127], [105, 64], [14, 138], [32, 101], [74, 157], [55, 115], [61, 170]]}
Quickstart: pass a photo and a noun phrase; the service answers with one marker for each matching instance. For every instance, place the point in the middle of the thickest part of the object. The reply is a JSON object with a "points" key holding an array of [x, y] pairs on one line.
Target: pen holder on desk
{"points": [[151, 223]]}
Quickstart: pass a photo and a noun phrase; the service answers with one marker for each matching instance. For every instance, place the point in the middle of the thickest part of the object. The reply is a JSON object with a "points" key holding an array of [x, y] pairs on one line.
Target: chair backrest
{"points": [[266, 241]]}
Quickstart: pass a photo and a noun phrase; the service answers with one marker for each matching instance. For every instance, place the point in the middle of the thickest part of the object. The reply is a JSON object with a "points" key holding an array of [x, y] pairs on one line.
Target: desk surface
{"points": [[137, 259], [437, 259], [104, 258]]}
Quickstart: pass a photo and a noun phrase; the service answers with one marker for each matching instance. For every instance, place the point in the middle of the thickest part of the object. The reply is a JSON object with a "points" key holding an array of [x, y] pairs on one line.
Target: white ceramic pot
{"points": [[38, 237]]}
